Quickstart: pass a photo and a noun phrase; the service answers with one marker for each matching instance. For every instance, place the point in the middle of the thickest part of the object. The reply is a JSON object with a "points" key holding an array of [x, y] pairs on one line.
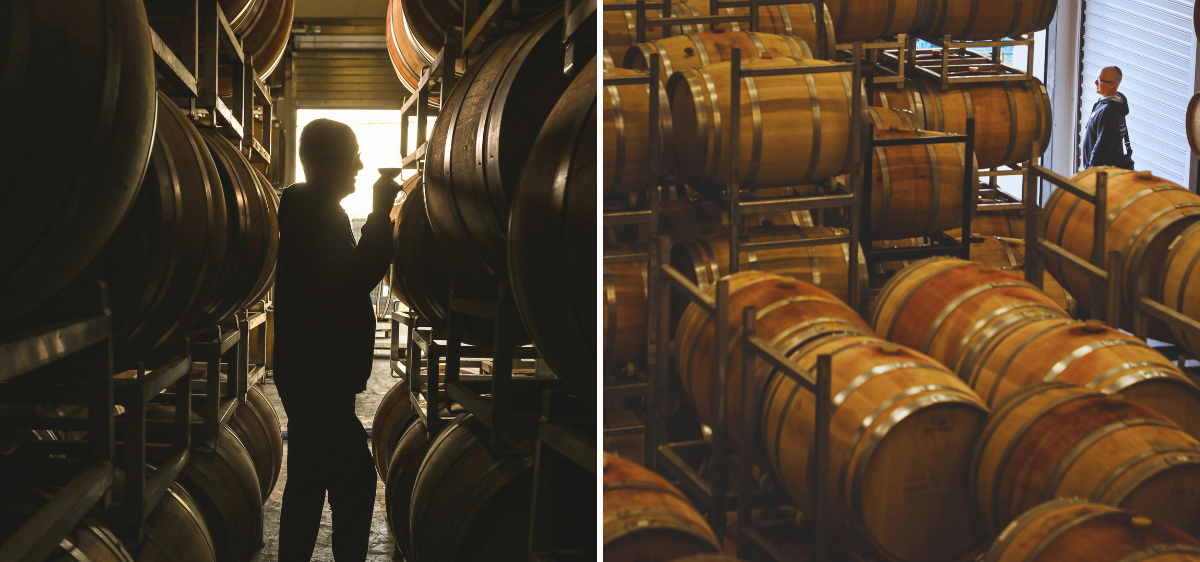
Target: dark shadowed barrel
{"points": [[398, 482], [176, 532], [78, 88], [257, 425], [393, 417], [552, 238]]}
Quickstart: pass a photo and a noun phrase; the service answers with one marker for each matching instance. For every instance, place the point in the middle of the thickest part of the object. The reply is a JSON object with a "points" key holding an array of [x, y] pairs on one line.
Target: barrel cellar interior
{"points": [[298, 279], [900, 280]]}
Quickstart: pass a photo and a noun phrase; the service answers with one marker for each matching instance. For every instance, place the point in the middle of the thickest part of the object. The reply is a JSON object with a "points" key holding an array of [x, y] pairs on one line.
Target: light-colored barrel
{"points": [[988, 222], [1056, 440], [1076, 530], [1009, 254], [918, 189], [627, 135], [1009, 116], [902, 429], [623, 314], [619, 29], [1179, 282], [1145, 214], [700, 49], [794, 129], [705, 260], [987, 19], [647, 519], [942, 306], [686, 219], [866, 20], [790, 313]]}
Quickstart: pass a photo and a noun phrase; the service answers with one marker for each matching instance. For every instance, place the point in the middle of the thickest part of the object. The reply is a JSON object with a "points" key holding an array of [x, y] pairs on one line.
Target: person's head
{"points": [[329, 154], [1108, 81]]}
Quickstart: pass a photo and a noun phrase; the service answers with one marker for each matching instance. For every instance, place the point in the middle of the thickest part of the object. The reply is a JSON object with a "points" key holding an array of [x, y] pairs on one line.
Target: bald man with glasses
{"points": [[1106, 132], [325, 343]]}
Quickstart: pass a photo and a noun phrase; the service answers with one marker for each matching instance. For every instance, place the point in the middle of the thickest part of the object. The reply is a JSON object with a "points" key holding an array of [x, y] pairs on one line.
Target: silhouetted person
{"points": [[1106, 131], [324, 343]]}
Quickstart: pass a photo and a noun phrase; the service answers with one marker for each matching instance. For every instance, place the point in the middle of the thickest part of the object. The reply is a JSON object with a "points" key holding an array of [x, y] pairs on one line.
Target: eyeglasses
{"points": [[1106, 81], [357, 158]]}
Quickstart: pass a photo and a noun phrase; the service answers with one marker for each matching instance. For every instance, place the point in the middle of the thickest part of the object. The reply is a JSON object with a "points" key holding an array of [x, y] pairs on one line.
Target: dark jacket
{"points": [[1104, 139], [324, 322]]}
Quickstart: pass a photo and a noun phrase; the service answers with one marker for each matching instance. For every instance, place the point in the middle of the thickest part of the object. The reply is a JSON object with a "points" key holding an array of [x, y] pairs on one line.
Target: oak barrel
{"points": [[987, 19], [1009, 254], [918, 190], [1056, 440], [176, 532], [1076, 530], [902, 428], [796, 20], [705, 260], [794, 129], [1177, 277], [408, 58], [1145, 214], [267, 34], [392, 418], [867, 20], [623, 313], [988, 222], [1009, 116], [470, 499], [790, 313], [942, 306], [90, 540], [694, 50], [240, 13], [480, 143], [552, 238], [630, 447], [420, 273], [401, 475], [646, 519], [627, 135], [1087, 354], [618, 31], [257, 426], [687, 219], [79, 93]]}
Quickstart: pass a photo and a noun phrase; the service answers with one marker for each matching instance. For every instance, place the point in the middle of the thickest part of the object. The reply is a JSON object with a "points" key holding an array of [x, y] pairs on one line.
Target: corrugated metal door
{"points": [[1153, 43], [346, 79]]}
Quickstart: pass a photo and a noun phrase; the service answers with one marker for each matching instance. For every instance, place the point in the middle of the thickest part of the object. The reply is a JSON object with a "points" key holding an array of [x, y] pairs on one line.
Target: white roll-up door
{"points": [[346, 79], [1153, 43]]}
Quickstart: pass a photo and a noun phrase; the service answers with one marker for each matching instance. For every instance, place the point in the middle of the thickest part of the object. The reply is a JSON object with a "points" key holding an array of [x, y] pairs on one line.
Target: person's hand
{"points": [[384, 196]]}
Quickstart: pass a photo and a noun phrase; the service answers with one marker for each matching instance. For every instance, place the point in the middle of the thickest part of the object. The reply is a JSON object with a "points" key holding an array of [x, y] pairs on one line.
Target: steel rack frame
{"points": [[942, 244], [561, 528], [952, 63], [673, 458], [665, 20], [893, 52], [751, 539], [655, 376], [1103, 268], [80, 345]]}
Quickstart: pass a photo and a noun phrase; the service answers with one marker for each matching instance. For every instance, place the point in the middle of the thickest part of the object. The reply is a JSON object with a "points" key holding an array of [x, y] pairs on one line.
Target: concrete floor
{"points": [[381, 548]]}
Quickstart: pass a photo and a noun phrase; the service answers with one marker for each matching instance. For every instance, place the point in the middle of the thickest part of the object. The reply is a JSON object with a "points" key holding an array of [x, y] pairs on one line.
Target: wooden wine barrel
{"points": [[627, 135], [866, 20], [1056, 440], [647, 519], [917, 190], [90, 540], [401, 475], [687, 219], [942, 306], [428, 21], [794, 129], [1009, 254], [1009, 116], [888, 118], [987, 19], [797, 20], [469, 499], [392, 418], [265, 37], [694, 50], [790, 313], [705, 260], [894, 266], [266, 276], [987, 222], [408, 58], [483, 137], [1177, 271], [422, 275], [1076, 530], [79, 82], [623, 297], [256, 425], [552, 238], [1088, 354], [901, 434], [1145, 214], [240, 13], [176, 532], [619, 28], [167, 251], [629, 447]]}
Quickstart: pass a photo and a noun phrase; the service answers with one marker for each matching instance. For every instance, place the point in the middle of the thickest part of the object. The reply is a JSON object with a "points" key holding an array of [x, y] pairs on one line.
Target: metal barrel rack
{"points": [[716, 7], [651, 384], [951, 62]]}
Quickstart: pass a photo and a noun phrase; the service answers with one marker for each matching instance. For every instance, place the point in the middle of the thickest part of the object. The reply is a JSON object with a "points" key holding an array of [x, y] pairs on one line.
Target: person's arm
{"points": [[374, 251]]}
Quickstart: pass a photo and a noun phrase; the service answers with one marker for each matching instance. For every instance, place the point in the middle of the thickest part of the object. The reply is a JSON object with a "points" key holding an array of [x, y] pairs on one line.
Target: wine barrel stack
{"points": [[135, 223]]}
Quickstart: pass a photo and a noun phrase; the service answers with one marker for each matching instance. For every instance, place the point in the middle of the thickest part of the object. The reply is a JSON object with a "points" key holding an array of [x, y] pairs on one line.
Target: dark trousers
{"points": [[327, 451]]}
